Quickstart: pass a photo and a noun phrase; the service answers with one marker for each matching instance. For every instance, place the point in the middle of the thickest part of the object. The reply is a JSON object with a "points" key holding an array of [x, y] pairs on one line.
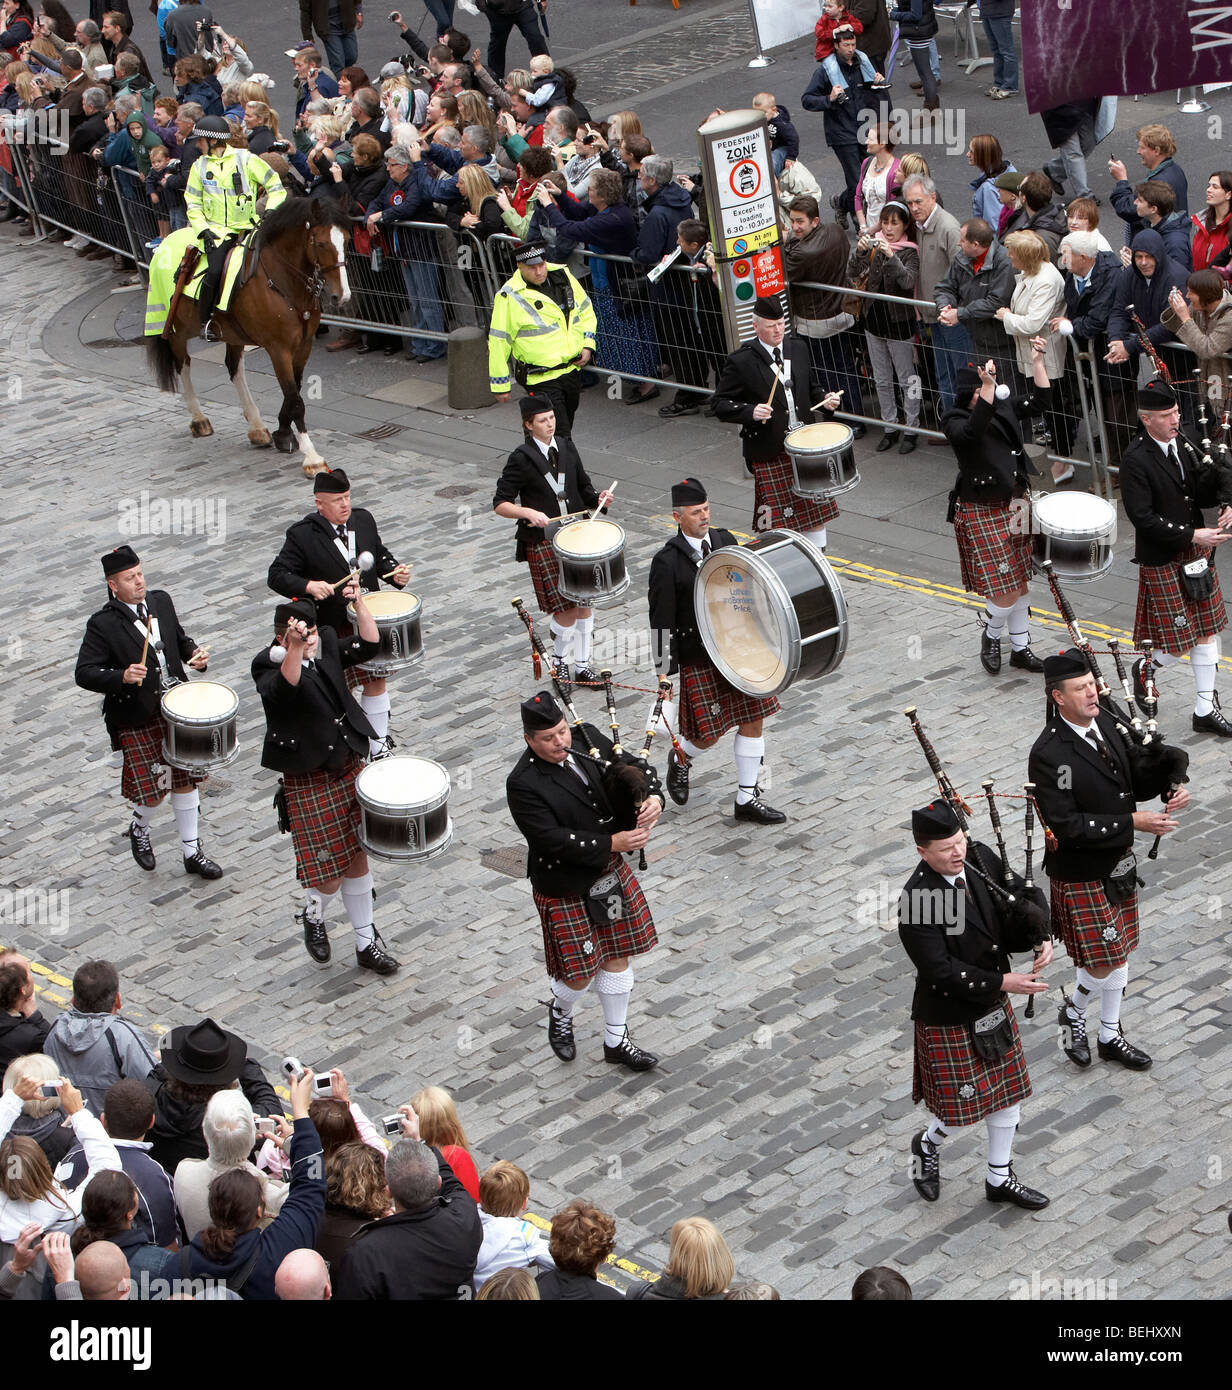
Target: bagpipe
{"points": [[626, 776]]}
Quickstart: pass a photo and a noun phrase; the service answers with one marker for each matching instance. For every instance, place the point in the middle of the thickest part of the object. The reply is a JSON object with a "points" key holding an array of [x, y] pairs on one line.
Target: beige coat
{"points": [[1209, 337], [938, 247], [1036, 299]]}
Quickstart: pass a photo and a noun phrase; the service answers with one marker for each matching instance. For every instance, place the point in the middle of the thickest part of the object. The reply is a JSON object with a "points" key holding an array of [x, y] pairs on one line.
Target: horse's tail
{"points": [[162, 363]]}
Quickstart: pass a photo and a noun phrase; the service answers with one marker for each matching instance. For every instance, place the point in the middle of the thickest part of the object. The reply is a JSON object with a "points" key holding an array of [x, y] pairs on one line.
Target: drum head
{"points": [[589, 538], [391, 604], [1075, 514], [201, 700], [828, 434], [404, 783]]}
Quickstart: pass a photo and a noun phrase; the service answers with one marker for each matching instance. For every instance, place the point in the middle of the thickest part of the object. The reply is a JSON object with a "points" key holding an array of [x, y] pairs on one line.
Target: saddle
{"points": [[191, 261]]}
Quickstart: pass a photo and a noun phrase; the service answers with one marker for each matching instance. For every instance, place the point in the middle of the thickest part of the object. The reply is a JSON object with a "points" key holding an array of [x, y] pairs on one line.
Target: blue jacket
{"points": [[203, 92], [611, 231], [783, 134], [1168, 172], [1090, 311], [326, 87], [842, 121], [403, 202], [666, 208], [1149, 298], [985, 201]]}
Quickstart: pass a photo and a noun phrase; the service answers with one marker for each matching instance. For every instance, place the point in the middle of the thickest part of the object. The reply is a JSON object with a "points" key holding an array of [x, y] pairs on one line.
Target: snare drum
{"points": [[397, 620], [823, 462], [591, 556], [404, 808], [1076, 531], [199, 727], [770, 613]]}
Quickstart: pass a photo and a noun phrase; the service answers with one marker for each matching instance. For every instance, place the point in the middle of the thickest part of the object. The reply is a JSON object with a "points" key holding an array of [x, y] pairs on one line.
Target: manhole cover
{"points": [[456, 490], [112, 342], [505, 861], [385, 431]]}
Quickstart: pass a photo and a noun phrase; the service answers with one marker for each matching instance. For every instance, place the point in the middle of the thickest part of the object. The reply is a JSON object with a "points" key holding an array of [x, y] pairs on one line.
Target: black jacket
{"points": [[1163, 510], [1090, 311], [978, 296], [842, 120], [960, 950], [674, 637], [1050, 226], [371, 127], [113, 641], [21, 1036], [567, 823], [1086, 804], [309, 552], [988, 444], [523, 481], [558, 1285], [305, 723], [745, 381], [176, 1132], [424, 1254]]}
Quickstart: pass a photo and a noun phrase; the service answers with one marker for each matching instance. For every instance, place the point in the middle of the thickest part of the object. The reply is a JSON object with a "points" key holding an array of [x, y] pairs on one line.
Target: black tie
{"points": [[1102, 748], [778, 358], [342, 532], [1172, 455], [554, 461], [143, 613], [705, 548]]}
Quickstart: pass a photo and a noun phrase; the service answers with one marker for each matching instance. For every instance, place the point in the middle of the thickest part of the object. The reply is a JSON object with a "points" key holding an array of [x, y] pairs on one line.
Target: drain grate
{"points": [[505, 861], [385, 431], [455, 490], [112, 342]]}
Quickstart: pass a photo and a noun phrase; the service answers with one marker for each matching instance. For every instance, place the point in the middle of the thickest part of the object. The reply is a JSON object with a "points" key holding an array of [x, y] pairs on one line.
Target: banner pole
{"points": [[761, 61]]}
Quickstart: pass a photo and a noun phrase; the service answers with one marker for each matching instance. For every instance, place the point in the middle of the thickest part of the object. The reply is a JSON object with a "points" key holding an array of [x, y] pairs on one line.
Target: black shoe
{"points": [[1118, 1050], [907, 443], [677, 779], [1213, 723], [990, 654], [1073, 1034], [139, 843], [1139, 683], [628, 1054], [316, 938], [859, 431], [637, 397], [391, 349], [560, 1033], [585, 675], [678, 407], [1013, 1191], [841, 215], [758, 812], [1025, 660], [384, 749], [363, 346], [201, 864], [888, 441], [925, 1168], [376, 958]]}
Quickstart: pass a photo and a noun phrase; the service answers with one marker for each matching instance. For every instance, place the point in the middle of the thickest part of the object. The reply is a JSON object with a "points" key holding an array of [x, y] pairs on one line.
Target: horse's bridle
{"points": [[314, 283]]}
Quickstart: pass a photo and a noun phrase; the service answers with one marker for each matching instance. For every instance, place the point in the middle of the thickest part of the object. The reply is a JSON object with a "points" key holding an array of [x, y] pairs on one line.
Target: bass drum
{"points": [[770, 613]]}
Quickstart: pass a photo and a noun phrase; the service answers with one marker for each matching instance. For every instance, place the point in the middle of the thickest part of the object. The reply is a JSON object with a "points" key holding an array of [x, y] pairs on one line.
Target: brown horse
{"points": [[297, 256]]}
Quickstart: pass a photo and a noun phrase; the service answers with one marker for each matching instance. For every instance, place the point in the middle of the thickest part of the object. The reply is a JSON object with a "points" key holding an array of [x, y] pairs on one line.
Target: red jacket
{"points": [[1208, 245], [825, 27]]}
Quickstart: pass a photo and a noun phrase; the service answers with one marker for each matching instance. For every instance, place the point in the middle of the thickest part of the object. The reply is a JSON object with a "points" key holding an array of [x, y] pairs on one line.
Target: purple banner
{"points": [[1074, 50]]}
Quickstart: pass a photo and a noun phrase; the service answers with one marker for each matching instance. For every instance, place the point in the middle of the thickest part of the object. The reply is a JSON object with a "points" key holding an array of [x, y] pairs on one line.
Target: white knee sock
{"points": [[1203, 660], [996, 618], [315, 902], [1002, 1125], [1112, 992], [614, 991], [691, 750], [1164, 658], [935, 1132], [142, 814], [817, 537], [376, 707], [1086, 986], [184, 806], [566, 997], [357, 899], [584, 627], [562, 640], [748, 753], [1020, 635]]}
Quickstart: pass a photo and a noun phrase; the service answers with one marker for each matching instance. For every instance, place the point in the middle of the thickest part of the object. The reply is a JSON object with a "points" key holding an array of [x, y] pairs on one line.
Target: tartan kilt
{"points": [[710, 705], [324, 816], [141, 782], [777, 508], [573, 946], [1083, 917], [1162, 601], [545, 576], [994, 561], [957, 1086]]}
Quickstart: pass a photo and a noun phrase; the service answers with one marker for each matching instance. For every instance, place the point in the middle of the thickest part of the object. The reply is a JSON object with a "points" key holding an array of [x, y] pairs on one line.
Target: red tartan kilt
{"points": [[710, 705], [1082, 914], [777, 508], [545, 575], [324, 816], [574, 948], [1161, 600], [142, 781], [994, 561], [946, 1064]]}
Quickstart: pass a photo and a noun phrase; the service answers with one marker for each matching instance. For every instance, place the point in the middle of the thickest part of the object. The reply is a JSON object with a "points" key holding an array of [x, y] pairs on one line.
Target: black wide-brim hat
{"points": [[203, 1054]]}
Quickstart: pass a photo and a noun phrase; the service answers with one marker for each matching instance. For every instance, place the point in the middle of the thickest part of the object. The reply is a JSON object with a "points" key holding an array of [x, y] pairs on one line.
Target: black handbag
{"points": [[1197, 578], [1123, 882], [605, 901], [992, 1036]]}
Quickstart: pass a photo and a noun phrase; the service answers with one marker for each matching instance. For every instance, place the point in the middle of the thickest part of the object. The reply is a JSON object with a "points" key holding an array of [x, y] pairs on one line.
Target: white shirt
{"points": [[1092, 728], [784, 369], [155, 634]]}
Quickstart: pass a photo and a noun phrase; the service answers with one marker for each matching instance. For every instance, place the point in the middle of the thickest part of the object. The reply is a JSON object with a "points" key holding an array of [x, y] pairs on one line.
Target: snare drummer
{"points": [[110, 662], [316, 735], [989, 506], [321, 549], [774, 363], [1165, 483], [544, 478], [708, 704]]}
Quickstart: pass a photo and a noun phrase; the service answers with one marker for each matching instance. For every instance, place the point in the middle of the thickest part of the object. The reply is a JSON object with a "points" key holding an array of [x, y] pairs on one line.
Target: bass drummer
{"points": [[708, 704], [133, 648], [765, 387], [322, 548], [989, 506], [315, 736], [544, 478]]}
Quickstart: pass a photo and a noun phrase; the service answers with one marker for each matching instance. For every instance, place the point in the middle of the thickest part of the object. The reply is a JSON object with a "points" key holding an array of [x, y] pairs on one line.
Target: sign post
{"points": [[743, 212]]}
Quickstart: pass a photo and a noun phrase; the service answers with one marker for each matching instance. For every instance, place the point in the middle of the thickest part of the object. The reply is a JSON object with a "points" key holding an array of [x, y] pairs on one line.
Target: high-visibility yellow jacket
{"points": [[528, 324], [222, 190]]}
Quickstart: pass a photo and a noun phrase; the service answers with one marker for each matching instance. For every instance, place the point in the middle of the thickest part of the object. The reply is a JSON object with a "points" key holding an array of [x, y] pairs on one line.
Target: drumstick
{"points": [[346, 579], [145, 646], [392, 572], [774, 388]]}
